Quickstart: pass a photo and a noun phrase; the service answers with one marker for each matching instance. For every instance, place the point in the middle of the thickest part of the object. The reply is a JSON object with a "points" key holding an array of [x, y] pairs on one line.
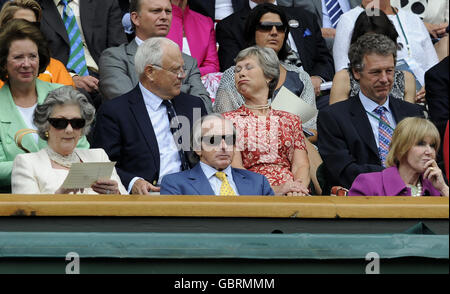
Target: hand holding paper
{"points": [[83, 175]]}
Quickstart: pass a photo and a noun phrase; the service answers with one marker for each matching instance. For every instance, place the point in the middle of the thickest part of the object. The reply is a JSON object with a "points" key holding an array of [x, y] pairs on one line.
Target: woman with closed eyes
{"points": [[62, 119]]}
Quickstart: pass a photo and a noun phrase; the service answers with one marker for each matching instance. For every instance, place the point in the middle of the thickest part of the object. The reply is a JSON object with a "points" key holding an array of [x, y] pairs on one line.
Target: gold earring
{"points": [[46, 134]]}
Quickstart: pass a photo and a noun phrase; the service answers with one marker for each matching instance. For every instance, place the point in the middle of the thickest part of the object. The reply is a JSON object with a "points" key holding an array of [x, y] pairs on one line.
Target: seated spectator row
{"points": [[152, 105]]}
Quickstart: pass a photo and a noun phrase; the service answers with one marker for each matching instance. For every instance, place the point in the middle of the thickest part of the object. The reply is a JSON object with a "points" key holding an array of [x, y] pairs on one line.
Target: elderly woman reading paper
{"points": [[62, 119]]}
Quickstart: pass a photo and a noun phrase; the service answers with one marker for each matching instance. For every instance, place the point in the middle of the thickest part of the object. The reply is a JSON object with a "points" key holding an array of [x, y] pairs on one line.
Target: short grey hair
{"points": [[268, 60], [65, 95], [151, 52], [196, 138], [370, 43]]}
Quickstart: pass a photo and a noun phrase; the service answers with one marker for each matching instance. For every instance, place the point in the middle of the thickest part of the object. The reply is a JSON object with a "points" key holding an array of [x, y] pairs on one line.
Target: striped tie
{"points": [[385, 132], [225, 188], [77, 61], [334, 11], [173, 118]]}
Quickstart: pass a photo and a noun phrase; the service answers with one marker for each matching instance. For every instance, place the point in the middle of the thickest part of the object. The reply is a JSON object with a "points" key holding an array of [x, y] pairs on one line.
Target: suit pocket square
{"points": [[307, 33]]}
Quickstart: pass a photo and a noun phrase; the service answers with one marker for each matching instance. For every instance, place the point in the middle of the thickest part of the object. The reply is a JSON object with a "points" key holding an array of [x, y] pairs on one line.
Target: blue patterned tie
{"points": [[173, 116], [77, 61], [334, 11], [385, 132]]}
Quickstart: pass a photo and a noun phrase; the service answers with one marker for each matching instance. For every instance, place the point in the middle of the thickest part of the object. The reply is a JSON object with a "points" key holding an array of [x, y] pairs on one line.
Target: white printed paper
{"points": [[84, 174]]}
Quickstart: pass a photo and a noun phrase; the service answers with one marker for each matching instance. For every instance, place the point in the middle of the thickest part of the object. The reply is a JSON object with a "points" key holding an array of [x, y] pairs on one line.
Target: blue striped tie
{"points": [[385, 132], [77, 61], [334, 11]]}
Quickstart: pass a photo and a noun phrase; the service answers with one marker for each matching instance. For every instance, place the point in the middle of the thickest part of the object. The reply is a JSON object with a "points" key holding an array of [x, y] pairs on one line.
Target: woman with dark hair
{"points": [[344, 83], [267, 26], [23, 56], [30, 10]]}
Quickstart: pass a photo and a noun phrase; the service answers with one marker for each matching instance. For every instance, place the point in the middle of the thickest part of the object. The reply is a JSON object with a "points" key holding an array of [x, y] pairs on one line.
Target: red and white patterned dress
{"points": [[267, 143]]}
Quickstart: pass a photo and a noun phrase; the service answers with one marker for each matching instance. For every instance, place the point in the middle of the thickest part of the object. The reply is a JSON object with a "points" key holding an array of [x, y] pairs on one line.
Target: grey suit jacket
{"points": [[118, 76]]}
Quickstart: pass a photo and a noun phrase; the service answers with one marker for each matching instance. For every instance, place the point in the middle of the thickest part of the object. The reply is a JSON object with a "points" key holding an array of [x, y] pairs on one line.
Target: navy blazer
{"points": [[194, 182], [100, 21], [346, 141], [124, 130], [311, 46]]}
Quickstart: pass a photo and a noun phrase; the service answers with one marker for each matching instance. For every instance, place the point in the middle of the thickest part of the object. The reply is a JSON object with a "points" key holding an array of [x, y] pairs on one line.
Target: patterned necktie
{"points": [[225, 188], [173, 116], [385, 132], [334, 11], [77, 61]]}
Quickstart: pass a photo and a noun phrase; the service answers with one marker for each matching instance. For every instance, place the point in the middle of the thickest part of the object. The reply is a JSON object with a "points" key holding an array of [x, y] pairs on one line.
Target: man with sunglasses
{"points": [[213, 141], [146, 131]]}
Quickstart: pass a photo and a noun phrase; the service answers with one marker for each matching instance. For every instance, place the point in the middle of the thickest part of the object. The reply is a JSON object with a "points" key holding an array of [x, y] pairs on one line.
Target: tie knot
{"points": [[221, 175], [167, 103], [380, 110], [65, 2]]}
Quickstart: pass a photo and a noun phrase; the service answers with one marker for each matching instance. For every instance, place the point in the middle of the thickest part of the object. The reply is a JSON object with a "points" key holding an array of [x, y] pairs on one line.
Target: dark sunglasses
{"points": [[61, 123], [215, 140], [268, 25]]}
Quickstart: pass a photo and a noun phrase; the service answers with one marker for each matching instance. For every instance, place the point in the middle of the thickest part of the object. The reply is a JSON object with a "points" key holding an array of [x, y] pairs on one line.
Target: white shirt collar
{"points": [[138, 41], [150, 99], [57, 2], [253, 4], [209, 171], [370, 105]]}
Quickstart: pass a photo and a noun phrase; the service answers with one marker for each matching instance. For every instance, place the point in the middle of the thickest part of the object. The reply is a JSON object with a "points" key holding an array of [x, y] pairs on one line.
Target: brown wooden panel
{"points": [[213, 206]]}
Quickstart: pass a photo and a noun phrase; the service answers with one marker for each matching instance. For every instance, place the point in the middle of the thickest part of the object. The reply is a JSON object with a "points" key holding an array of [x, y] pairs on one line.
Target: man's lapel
{"points": [[142, 118]]}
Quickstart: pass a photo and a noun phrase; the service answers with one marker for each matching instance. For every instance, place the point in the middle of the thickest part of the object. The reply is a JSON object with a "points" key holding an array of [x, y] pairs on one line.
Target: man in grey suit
{"points": [[319, 7], [151, 18]]}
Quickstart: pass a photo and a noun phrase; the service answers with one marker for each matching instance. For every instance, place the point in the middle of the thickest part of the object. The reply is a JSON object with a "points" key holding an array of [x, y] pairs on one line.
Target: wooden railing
{"points": [[213, 206]]}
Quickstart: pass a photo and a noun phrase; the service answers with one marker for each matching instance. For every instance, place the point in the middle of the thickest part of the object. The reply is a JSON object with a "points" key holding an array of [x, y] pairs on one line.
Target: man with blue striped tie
{"points": [[354, 135], [78, 31]]}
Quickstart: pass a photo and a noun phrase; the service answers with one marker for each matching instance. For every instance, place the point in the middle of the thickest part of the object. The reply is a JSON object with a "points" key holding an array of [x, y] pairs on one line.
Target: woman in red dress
{"points": [[270, 142]]}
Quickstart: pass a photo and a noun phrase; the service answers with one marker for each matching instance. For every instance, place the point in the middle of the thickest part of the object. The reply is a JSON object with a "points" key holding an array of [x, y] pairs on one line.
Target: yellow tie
{"points": [[225, 188]]}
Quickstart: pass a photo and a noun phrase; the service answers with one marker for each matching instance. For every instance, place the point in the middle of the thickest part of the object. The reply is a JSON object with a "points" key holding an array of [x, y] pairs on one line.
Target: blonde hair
{"points": [[408, 133], [11, 7]]}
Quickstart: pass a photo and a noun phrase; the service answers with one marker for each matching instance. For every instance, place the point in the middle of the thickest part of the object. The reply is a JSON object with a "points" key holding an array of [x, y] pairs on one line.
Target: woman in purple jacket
{"points": [[411, 166]]}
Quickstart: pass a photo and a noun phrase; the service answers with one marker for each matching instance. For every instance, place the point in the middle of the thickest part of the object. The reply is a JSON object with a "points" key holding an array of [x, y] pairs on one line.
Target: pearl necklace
{"points": [[258, 107], [65, 161], [419, 190]]}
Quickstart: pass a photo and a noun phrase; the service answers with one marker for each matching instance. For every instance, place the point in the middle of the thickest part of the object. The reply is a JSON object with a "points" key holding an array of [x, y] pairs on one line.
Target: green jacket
{"points": [[11, 121]]}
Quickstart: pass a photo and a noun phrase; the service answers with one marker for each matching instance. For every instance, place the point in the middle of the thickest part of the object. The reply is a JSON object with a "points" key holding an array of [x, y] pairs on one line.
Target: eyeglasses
{"points": [[267, 26], [179, 73], [61, 123], [215, 140]]}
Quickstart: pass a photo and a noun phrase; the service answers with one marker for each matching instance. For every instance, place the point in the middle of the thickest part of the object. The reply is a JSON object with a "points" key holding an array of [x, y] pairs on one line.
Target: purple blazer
{"points": [[201, 37], [387, 183]]}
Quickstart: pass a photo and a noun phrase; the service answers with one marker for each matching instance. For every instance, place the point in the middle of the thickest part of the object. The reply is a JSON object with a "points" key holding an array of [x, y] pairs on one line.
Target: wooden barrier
{"points": [[212, 206]]}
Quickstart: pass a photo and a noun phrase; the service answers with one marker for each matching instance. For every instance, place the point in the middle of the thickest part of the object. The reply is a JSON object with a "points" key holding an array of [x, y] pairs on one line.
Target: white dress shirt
{"points": [[169, 158], [214, 181], [369, 106], [326, 22]]}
